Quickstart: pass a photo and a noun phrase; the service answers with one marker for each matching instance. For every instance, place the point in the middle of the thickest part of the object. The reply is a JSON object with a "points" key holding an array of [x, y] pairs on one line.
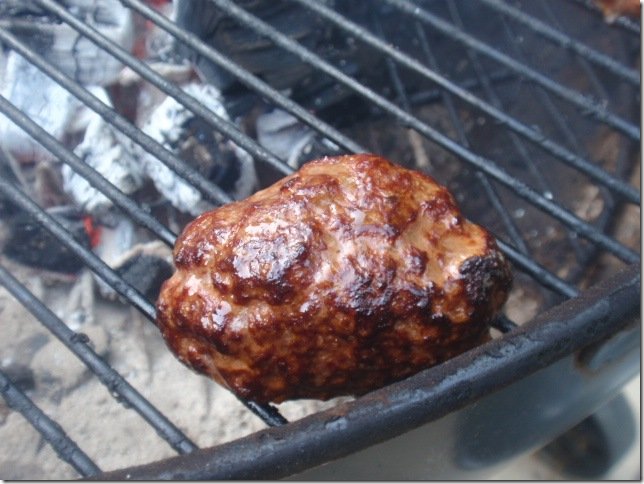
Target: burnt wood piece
{"points": [[30, 243]]}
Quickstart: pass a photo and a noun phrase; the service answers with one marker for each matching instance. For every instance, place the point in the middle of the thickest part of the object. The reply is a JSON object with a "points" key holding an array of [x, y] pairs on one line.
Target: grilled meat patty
{"points": [[341, 278]]}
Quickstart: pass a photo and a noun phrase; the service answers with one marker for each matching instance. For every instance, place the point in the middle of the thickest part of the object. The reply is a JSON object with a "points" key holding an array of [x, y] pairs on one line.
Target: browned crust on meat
{"points": [[341, 278], [614, 8]]}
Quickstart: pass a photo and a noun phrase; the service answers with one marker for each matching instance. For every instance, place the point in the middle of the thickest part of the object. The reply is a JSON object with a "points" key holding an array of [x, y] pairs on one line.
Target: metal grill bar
{"points": [[530, 267], [517, 142], [266, 412], [570, 137], [622, 22], [561, 153], [99, 267], [565, 41], [118, 387], [489, 190], [53, 433], [484, 164], [208, 189], [537, 271], [245, 76], [503, 324], [92, 176], [192, 104], [587, 105], [471, 83]]}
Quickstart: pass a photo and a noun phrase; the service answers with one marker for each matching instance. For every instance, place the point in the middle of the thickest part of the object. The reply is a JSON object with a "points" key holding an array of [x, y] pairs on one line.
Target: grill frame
{"points": [[423, 398], [622, 285]]}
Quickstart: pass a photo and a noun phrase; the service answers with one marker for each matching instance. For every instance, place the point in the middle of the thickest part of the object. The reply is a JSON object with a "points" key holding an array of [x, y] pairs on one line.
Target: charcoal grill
{"points": [[530, 92]]}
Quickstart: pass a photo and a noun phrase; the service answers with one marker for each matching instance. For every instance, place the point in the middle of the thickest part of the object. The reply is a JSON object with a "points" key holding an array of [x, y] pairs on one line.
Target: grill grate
{"points": [[495, 178], [117, 385], [50, 430]]}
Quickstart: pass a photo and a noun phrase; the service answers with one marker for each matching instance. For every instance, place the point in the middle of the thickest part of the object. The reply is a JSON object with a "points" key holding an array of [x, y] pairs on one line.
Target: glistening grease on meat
{"points": [[350, 274]]}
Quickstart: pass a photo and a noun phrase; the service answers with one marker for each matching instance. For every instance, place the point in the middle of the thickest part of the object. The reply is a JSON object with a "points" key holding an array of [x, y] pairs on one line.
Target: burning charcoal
{"points": [[198, 144], [146, 273], [243, 46], [77, 56], [29, 243], [109, 153], [275, 66], [21, 375], [145, 266], [48, 186]]}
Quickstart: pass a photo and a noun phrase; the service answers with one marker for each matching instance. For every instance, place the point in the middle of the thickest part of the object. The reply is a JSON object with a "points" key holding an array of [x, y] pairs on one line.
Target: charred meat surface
{"points": [[350, 274]]}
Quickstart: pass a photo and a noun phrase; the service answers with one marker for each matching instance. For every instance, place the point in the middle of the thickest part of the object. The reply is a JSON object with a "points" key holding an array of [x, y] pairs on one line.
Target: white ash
{"points": [[54, 362], [114, 241], [112, 155], [284, 135], [150, 96], [166, 125], [61, 45], [35, 94], [44, 101]]}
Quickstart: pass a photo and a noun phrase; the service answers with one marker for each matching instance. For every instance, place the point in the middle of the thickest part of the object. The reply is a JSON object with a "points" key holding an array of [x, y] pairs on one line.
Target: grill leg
{"points": [[591, 448]]}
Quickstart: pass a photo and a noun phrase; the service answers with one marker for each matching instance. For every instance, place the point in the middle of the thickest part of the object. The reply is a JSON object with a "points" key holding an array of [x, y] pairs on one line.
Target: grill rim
{"points": [[279, 452]]}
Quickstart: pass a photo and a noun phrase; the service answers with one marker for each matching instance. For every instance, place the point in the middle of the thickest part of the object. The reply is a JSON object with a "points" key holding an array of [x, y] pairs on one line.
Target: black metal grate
{"points": [[490, 64]]}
